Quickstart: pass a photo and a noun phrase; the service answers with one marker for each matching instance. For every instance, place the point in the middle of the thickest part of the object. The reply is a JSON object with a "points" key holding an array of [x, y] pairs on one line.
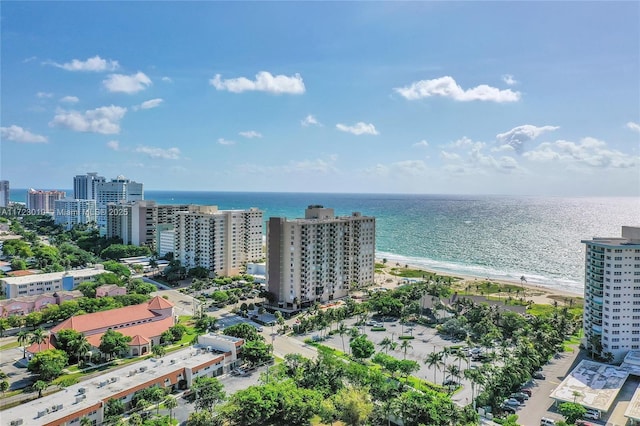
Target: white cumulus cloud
{"points": [[105, 120], [310, 120], [422, 144], [264, 82], [152, 103], [95, 64], [167, 79], [518, 136], [114, 145], [127, 83], [44, 95], [448, 88], [18, 134], [223, 141], [155, 152], [70, 99], [633, 126], [359, 128], [250, 134], [589, 152]]}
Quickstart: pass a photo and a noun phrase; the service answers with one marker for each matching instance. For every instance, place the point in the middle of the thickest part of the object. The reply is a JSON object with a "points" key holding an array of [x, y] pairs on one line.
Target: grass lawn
{"points": [[9, 346]]}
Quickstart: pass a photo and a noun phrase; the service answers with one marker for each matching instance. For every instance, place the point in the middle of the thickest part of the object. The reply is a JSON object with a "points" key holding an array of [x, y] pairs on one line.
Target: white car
{"points": [[592, 414]]}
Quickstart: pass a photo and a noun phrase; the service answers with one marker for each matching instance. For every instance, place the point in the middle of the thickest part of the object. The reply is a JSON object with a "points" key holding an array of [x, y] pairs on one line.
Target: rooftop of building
{"points": [[52, 276], [631, 363], [630, 237], [88, 393], [104, 319], [633, 410], [591, 384]]}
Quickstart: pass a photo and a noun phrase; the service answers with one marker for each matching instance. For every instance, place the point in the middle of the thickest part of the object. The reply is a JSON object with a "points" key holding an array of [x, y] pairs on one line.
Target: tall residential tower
{"points": [[118, 190], [319, 258], [84, 186], [612, 294], [4, 193]]}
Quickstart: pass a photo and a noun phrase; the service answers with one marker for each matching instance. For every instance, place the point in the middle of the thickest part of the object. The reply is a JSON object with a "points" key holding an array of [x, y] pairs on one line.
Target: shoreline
{"points": [[538, 293]]}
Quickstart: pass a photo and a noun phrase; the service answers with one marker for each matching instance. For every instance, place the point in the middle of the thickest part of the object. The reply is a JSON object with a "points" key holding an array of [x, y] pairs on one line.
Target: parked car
{"points": [[547, 422], [507, 409], [512, 402], [522, 397], [526, 391], [538, 375], [449, 383], [592, 414]]}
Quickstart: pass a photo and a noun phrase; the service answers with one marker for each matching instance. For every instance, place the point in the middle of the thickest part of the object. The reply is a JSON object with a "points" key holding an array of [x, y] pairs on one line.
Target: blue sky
{"points": [[539, 98]]}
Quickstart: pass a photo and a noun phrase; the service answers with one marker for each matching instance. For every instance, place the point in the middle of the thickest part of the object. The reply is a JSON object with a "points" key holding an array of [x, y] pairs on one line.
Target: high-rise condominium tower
{"points": [[612, 294], [4, 193], [84, 186], [42, 202], [319, 258], [118, 190], [222, 241]]}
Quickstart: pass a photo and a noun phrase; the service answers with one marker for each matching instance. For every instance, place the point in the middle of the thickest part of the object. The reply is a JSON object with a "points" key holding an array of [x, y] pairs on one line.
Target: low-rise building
{"points": [[110, 290], [32, 285], [26, 304], [88, 399]]}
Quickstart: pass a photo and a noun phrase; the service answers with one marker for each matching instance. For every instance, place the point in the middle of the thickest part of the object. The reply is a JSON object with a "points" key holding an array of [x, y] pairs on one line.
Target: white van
{"points": [[547, 422], [592, 414]]}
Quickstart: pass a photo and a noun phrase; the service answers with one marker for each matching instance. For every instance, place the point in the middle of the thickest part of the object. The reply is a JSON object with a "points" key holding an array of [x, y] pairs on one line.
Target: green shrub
{"points": [[406, 337]]}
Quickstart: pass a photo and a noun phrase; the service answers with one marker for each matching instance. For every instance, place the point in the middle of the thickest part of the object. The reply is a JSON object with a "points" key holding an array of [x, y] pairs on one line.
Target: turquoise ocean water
{"points": [[502, 237]]}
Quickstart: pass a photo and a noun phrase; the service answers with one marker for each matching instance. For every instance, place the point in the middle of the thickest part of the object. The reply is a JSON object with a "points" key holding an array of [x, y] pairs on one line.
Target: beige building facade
{"points": [[319, 258]]}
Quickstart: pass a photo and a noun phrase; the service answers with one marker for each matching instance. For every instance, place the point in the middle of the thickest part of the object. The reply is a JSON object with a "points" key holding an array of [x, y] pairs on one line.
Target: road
{"points": [[540, 405]]}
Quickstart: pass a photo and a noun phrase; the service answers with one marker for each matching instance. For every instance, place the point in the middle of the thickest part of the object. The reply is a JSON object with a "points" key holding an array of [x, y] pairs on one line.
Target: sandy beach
{"points": [[536, 293]]}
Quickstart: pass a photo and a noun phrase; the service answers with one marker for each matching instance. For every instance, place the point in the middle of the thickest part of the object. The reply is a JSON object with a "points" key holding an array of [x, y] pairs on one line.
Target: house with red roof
{"points": [[144, 323]]}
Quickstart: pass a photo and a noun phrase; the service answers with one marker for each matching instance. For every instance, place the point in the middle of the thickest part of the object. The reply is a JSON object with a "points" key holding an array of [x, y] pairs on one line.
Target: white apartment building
{"points": [[84, 186], [118, 190], [69, 212], [222, 241], [4, 193], [30, 285], [166, 241], [612, 293], [43, 202], [319, 258]]}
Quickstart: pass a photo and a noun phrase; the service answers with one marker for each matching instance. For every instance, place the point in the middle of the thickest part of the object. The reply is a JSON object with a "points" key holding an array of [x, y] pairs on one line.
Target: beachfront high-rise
{"points": [[118, 190], [222, 241], [84, 186], [43, 202], [4, 193], [70, 212], [612, 293], [319, 258]]}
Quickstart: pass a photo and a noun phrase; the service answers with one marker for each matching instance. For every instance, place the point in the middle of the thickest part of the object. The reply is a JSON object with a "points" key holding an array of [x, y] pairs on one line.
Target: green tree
{"points": [[405, 346], [200, 418], [256, 352], [354, 405], [4, 386], [158, 350], [170, 403], [48, 364], [40, 386], [209, 392], [38, 336], [18, 264], [361, 347], [113, 343], [113, 408], [23, 338], [243, 331], [120, 269], [571, 411]]}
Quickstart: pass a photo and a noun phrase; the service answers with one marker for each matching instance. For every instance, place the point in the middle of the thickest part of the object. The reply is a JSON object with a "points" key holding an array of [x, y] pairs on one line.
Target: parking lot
{"points": [[426, 340]]}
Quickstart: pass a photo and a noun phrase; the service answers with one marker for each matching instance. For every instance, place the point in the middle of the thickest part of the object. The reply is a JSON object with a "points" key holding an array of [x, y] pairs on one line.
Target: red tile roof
{"points": [[139, 340], [21, 273], [146, 330], [159, 303]]}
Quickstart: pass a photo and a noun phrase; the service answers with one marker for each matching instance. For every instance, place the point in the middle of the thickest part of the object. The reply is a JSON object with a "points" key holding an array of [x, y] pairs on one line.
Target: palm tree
{"points": [[170, 403], [386, 344], [434, 360], [475, 376], [23, 337], [453, 371], [38, 336], [405, 345], [81, 346], [342, 330]]}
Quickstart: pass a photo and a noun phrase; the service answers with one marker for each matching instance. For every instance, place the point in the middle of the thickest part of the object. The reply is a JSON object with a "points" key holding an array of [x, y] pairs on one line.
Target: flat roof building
{"points": [[89, 398], [30, 285], [591, 384], [320, 257]]}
